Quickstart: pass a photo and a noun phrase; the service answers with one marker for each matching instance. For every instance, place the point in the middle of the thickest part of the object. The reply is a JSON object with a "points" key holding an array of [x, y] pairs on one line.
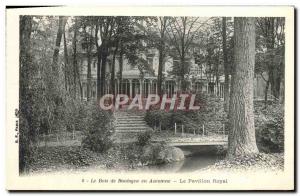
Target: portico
{"points": [[133, 83]]}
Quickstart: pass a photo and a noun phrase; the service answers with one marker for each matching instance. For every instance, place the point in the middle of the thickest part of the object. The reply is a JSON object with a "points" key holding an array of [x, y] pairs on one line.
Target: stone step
{"points": [[133, 127], [141, 127], [126, 114], [124, 118], [132, 110], [129, 115], [131, 131], [130, 124], [129, 119]]}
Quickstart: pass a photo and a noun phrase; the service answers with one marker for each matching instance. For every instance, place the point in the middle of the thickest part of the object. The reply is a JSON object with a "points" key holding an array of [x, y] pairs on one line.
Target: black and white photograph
{"points": [[152, 94]]}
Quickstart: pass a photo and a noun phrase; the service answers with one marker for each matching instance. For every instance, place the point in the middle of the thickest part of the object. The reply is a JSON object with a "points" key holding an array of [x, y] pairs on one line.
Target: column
{"points": [[222, 89], [130, 91], [150, 86], [207, 88], [124, 87], [141, 87], [118, 86], [215, 89]]}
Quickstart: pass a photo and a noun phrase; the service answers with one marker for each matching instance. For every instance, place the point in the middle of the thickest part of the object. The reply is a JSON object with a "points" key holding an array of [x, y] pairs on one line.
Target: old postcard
{"points": [[150, 98]]}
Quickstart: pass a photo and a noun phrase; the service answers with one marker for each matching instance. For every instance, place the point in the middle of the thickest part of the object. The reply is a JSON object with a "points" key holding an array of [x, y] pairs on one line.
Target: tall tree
{"points": [[66, 63], [163, 22], [182, 31], [54, 89], [76, 75], [226, 66], [27, 134], [131, 39], [60, 30], [99, 50], [271, 37], [88, 45], [121, 54], [104, 27], [155, 31], [241, 140], [116, 43]]}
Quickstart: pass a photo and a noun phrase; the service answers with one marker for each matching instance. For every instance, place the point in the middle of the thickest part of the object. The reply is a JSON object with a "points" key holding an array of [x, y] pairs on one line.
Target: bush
{"points": [[144, 138], [98, 129], [269, 125], [97, 142], [158, 118], [211, 113]]}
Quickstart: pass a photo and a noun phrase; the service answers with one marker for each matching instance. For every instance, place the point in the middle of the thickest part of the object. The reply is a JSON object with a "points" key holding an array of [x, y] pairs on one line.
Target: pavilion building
{"points": [[134, 82]]}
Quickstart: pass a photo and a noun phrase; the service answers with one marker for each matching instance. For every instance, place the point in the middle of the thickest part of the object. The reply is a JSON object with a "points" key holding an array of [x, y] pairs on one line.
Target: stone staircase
{"points": [[128, 125]]}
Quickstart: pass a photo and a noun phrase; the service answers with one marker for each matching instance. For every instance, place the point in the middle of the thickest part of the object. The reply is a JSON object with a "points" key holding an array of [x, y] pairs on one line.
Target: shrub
{"points": [[211, 112], [156, 118], [144, 138], [98, 130], [269, 125], [97, 142]]}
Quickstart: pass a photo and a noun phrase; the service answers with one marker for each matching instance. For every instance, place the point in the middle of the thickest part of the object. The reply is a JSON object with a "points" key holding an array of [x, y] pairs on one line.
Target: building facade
{"points": [[134, 82]]}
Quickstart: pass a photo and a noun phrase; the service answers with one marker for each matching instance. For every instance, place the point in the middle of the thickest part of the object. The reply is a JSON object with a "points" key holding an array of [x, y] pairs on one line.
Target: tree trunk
{"points": [[161, 47], [66, 63], [160, 66], [61, 26], [89, 58], [241, 139], [103, 69], [217, 79], [121, 65], [75, 65], [99, 55], [275, 79], [226, 67], [266, 93], [273, 70], [25, 107], [112, 78], [75, 58], [183, 85], [80, 85]]}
